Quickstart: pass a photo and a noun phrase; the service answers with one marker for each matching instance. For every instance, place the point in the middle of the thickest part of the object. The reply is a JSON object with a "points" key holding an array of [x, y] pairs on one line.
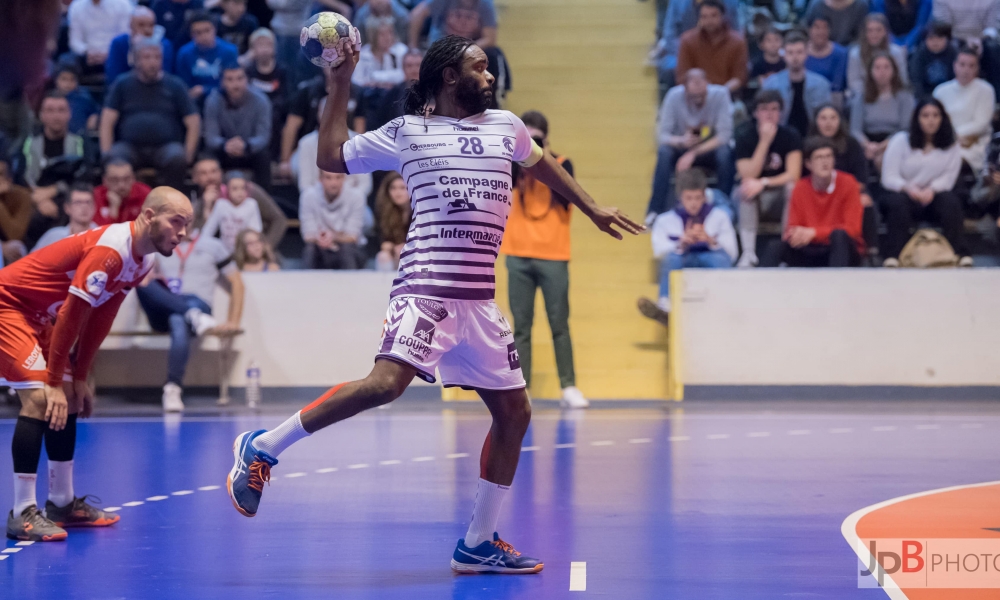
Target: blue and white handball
{"points": [[325, 36]]}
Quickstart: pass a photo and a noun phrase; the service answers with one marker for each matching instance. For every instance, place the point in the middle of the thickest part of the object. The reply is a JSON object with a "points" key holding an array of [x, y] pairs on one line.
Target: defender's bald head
{"points": [[163, 198]]}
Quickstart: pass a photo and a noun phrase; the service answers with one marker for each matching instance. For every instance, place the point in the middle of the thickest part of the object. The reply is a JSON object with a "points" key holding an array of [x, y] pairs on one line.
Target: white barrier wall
{"points": [[304, 328], [840, 327]]}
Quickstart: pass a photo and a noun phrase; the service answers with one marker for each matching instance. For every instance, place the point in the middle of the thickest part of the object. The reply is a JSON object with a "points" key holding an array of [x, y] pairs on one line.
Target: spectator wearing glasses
{"points": [[80, 210]]}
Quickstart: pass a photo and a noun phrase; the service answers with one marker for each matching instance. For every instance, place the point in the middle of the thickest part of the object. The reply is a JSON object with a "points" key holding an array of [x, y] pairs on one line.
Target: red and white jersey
{"points": [[93, 265]]}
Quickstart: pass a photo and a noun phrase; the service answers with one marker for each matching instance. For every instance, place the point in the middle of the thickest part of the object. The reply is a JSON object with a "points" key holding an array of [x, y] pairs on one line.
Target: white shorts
{"points": [[468, 341]]}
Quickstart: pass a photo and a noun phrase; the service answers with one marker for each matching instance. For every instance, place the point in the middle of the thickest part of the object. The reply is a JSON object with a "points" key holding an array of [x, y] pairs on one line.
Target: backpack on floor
{"points": [[927, 249]]}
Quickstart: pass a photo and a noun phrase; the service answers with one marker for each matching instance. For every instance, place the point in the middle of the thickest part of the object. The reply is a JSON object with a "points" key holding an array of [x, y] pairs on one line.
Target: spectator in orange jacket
{"points": [[714, 48]]}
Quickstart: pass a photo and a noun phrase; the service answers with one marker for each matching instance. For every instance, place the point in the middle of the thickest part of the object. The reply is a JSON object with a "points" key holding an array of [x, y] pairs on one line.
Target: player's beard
{"points": [[472, 98], [161, 239]]}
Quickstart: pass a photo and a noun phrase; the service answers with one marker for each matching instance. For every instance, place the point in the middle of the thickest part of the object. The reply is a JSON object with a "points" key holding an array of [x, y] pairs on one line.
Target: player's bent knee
{"points": [[32, 403], [386, 389]]}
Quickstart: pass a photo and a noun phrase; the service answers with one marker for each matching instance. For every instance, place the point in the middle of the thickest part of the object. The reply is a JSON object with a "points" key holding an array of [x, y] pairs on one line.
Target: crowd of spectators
{"points": [[844, 125]]}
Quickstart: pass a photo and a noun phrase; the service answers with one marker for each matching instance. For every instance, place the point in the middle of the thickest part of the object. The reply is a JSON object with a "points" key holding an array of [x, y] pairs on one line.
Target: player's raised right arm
{"points": [[333, 132]]}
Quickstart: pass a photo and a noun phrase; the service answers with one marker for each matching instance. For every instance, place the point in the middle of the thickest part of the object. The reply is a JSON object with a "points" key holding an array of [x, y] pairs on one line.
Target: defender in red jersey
{"points": [[56, 307]]}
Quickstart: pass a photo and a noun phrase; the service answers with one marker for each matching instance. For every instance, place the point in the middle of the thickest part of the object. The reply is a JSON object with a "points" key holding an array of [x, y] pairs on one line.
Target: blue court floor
{"points": [[699, 500]]}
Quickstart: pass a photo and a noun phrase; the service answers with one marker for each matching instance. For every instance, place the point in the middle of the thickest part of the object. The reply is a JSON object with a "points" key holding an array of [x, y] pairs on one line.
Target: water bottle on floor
{"points": [[253, 384]]}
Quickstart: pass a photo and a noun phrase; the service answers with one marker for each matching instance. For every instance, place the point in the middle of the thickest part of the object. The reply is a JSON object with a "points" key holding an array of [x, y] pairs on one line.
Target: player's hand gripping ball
{"points": [[324, 37]]}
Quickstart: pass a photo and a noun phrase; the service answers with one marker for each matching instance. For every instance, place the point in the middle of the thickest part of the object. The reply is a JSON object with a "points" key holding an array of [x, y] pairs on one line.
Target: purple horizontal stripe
{"points": [[444, 292], [477, 223], [422, 185], [425, 198], [465, 133], [424, 212], [422, 238], [453, 169], [466, 277], [447, 263], [463, 156], [451, 249]]}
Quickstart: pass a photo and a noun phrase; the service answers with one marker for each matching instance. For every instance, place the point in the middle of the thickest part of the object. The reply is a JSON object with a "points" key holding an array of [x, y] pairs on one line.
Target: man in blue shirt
{"points": [[199, 62], [120, 56], [173, 15]]}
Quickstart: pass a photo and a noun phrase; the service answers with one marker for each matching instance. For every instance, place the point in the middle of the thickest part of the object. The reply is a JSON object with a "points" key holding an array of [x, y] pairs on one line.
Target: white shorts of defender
{"points": [[469, 342]]}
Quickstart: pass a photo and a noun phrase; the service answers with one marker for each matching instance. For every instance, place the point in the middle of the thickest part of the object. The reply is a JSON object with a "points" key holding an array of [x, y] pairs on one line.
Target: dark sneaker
{"points": [[251, 470], [493, 557], [650, 310], [79, 513], [32, 526]]}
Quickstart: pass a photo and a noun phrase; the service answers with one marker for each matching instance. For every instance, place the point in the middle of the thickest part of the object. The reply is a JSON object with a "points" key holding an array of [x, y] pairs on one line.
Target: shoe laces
{"points": [[260, 472], [505, 547], [85, 502]]}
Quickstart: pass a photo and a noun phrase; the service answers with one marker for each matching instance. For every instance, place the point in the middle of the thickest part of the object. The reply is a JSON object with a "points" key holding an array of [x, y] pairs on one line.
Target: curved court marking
{"points": [[849, 530]]}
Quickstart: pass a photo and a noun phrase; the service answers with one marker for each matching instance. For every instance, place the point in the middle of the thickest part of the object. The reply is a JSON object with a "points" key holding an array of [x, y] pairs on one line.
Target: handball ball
{"points": [[324, 37]]}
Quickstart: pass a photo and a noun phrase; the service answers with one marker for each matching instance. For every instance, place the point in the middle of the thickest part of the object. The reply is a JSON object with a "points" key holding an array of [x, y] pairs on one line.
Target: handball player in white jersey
{"points": [[455, 156]]}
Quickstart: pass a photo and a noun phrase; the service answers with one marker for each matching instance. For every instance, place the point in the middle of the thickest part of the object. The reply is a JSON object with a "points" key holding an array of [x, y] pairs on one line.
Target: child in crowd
{"points": [[83, 109], [234, 213], [770, 60], [254, 254], [934, 60], [693, 235]]}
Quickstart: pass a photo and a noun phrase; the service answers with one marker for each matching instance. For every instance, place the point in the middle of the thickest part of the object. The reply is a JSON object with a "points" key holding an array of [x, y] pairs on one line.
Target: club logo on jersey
{"points": [[432, 309], [430, 146], [512, 358], [424, 331], [35, 360], [459, 205], [392, 127], [508, 143], [96, 282]]}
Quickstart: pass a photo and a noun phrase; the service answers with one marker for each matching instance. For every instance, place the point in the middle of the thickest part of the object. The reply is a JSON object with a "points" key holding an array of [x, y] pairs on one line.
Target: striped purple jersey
{"points": [[458, 174]]}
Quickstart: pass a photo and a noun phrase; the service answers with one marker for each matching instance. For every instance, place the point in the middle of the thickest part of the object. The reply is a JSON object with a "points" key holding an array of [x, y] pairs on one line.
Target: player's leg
{"points": [[482, 550], [25, 521], [257, 451]]}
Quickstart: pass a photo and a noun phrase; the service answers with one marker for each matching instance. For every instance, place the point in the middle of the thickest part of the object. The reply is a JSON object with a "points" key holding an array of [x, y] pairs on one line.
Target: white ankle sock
{"points": [[61, 482], [276, 440], [24, 491], [489, 500]]}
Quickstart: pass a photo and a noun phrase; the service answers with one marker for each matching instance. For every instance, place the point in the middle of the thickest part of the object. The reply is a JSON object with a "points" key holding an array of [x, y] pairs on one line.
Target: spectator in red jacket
{"points": [[119, 198], [824, 214]]}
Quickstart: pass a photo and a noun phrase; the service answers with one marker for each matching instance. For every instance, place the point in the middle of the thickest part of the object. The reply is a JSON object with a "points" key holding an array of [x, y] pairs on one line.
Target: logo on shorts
{"points": [[512, 357], [414, 347], [424, 331], [35, 360], [432, 309], [96, 282]]}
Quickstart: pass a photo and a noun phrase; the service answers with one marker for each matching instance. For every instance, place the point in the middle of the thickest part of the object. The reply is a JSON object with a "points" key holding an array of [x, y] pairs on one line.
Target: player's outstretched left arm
{"points": [[551, 173]]}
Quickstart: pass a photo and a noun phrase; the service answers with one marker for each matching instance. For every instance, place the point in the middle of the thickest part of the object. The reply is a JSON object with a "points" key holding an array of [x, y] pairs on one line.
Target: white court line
{"points": [[294, 475], [3, 557], [208, 488], [578, 577], [718, 436], [112, 509], [565, 445], [134, 503], [602, 443], [181, 493], [679, 438], [423, 458], [884, 428], [841, 430], [390, 462], [25, 543], [529, 448], [640, 441], [799, 432], [326, 470], [759, 434], [11, 550], [932, 426], [358, 466], [458, 455], [156, 498]]}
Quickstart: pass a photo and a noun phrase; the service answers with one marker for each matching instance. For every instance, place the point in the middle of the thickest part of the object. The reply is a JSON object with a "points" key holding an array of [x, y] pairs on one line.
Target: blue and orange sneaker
{"points": [[495, 556], [251, 470]]}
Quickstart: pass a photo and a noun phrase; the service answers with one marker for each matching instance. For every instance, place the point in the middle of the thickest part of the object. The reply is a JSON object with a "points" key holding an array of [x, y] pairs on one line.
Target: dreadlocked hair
{"points": [[446, 52]]}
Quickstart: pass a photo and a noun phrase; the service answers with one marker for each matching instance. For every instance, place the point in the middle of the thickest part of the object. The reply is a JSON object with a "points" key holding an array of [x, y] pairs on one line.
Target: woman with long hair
{"points": [[253, 253], [393, 214], [883, 109], [919, 171], [850, 158], [874, 38]]}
